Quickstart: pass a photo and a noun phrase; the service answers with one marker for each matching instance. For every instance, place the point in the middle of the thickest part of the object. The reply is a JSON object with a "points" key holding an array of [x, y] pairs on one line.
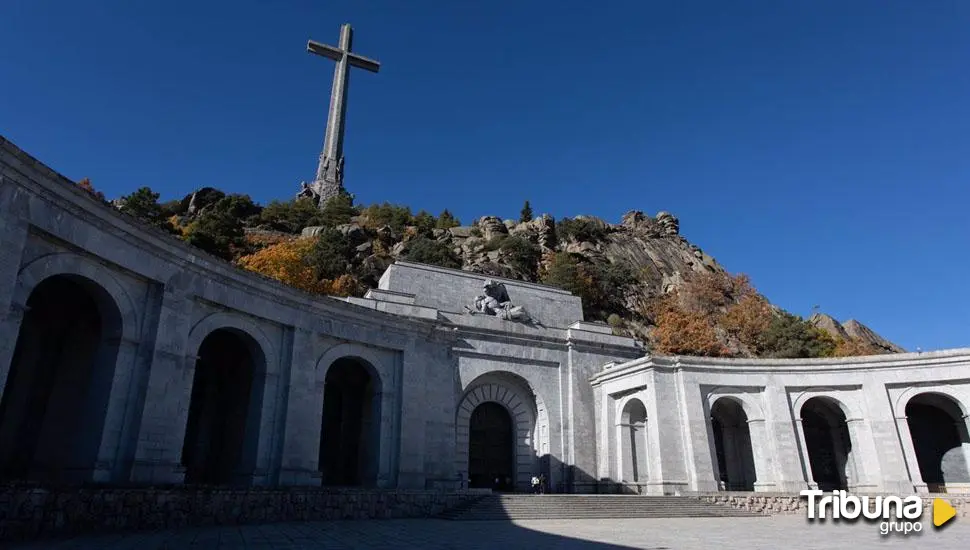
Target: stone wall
{"points": [[28, 513], [788, 504]]}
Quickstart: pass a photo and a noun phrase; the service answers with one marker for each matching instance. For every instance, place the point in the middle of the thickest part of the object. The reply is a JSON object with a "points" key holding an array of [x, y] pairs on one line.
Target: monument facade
{"points": [[127, 356]]}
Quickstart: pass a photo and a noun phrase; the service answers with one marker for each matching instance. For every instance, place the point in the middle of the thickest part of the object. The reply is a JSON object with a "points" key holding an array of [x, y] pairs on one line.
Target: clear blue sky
{"points": [[821, 147]]}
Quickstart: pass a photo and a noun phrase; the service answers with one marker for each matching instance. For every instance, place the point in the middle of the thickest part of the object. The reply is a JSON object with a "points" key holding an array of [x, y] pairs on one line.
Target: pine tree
{"points": [[526, 214]]}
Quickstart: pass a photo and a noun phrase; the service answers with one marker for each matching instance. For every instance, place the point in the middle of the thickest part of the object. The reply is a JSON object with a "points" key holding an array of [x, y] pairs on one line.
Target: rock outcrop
{"points": [[854, 330]]}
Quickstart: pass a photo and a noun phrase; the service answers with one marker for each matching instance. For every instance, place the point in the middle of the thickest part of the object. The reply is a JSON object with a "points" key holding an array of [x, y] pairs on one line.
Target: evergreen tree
{"points": [[446, 220], [526, 214], [143, 204]]}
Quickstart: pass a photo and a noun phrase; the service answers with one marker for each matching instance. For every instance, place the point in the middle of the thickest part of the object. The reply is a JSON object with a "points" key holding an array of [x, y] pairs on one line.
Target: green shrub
{"points": [[330, 254], [429, 251], [580, 229], [522, 254]]}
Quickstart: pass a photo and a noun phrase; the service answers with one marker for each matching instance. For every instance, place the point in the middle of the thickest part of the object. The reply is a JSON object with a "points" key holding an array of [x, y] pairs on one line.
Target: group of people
{"points": [[539, 484]]}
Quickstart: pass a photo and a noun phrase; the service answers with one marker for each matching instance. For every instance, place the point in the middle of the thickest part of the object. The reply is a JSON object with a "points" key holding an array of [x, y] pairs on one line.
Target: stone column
{"points": [[121, 366], [864, 457], [13, 240], [805, 455], [161, 433], [304, 406], [787, 445], [389, 433], [909, 453], [671, 422], [764, 467]]}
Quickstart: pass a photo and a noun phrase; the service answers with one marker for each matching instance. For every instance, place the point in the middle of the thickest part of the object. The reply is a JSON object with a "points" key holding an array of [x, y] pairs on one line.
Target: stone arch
{"points": [[378, 412], [56, 398], [528, 413], [752, 409], [828, 443], [225, 320], [67, 263], [907, 394], [365, 355], [350, 427], [938, 427], [734, 462], [847, 404], [228, 425], [632, 464]]}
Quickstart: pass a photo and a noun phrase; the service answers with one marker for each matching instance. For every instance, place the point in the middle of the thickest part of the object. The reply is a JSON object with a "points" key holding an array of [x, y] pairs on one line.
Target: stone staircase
{"points": [[505, 507]]}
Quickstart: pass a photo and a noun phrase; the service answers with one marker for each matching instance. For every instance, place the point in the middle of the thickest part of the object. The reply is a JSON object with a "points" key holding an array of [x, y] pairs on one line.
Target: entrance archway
{"points": [[940, 440], [827, 441], [491, 448], [222, 430], [732, 445], [55, 400], [350, 431], [633, 442]]}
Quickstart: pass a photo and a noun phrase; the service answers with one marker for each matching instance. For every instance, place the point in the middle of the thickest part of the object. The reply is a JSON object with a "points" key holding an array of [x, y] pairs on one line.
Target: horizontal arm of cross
{"points": [[337, 54]]}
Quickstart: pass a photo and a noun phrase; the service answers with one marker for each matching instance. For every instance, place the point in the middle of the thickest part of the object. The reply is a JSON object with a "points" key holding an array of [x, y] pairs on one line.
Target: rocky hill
{"points": [[853, 330], [640, 275]]}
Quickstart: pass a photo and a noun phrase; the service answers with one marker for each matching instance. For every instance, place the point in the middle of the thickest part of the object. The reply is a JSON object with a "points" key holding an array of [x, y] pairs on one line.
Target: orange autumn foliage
{"points": [[748, 319], [344, 285], [85, 184], [286, 262], [681, 332], [853, 347]]}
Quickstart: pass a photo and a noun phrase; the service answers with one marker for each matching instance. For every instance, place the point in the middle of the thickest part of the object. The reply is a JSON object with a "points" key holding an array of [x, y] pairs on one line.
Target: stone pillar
{"points": [[162, 429], [805, 455], [672, 423], [120, 397], [304, 414], [389, 434], [894, 474], [909, 453], [13, 240], [864, 458], [764, 467], [787, 445]]}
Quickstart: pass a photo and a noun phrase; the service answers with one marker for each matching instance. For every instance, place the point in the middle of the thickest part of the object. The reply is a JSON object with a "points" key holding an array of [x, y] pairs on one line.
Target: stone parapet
{"points": [[30, 513]]}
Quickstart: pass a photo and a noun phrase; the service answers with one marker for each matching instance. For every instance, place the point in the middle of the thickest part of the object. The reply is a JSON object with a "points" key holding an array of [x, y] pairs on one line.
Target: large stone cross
{"points": [[330, 171]]}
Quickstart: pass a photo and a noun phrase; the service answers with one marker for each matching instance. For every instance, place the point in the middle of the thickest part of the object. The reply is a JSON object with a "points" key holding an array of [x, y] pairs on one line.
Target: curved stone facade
{"points": [[779, 400], [127, 356]]}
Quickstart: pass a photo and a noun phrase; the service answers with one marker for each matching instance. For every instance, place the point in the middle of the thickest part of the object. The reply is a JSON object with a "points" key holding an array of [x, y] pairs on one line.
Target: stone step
{"points": [[505, 507]]}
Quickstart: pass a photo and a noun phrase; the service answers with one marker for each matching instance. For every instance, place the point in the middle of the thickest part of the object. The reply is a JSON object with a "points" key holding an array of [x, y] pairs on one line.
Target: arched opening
{"points": [[530, 433], [54, 404], [732, 445], [633, 442], [491, 448], [940, 439], [223, 425], [828, 442], [350, 432]]}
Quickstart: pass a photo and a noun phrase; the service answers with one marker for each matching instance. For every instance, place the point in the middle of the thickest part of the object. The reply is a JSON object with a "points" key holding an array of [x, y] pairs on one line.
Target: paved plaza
{"points": [[654, 534]]}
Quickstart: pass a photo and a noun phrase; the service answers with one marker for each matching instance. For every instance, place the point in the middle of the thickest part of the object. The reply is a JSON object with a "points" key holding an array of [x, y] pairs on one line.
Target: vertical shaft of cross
{"points": [[330, 170], [333, 143]]}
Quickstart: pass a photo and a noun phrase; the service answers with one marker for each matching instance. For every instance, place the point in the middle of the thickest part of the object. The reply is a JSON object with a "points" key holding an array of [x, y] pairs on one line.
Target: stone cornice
{"points": [[479, 276], [840, 365]]}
